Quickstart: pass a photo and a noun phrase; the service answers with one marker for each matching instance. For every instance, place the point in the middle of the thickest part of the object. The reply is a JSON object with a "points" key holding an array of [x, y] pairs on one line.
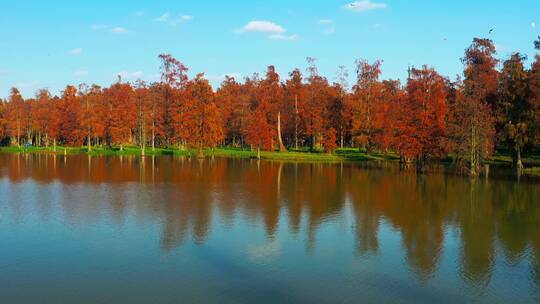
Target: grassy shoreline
{"points": [[532, 162], [340, 155]]}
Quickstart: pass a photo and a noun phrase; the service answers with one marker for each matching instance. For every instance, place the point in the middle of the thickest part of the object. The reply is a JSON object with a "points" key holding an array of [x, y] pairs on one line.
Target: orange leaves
{"points": [[121, 113], [258, 131], [421, 123], [330, 140], [69, 130], [200, 116]]}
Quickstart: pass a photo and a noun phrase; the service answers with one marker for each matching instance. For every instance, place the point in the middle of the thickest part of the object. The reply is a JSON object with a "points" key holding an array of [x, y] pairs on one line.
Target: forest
{"points": [[493, 105]]}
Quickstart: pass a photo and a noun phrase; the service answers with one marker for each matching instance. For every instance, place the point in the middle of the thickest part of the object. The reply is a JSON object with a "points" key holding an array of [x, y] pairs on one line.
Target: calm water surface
{"points": [[82, 229]]}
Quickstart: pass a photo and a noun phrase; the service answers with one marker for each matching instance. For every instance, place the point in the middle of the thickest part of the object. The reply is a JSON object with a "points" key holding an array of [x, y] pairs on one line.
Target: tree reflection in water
{"points": [[190, 196]]}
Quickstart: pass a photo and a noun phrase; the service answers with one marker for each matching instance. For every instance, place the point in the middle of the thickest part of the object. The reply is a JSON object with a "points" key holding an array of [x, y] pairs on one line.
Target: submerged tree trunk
{"points": [[259, 152], [421, 164], [518, 163]]}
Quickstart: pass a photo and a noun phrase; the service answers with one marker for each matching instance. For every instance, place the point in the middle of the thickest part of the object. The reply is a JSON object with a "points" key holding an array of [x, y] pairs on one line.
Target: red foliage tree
{"points": [[534, 96], [421, 127], [270, 96], [15, 114], [122, 115], [173, 82], [233, 103], [295, 107], [316, 106], [201, 116], [330, 140], [367, 95], [258, 131], [471, 123], [69, 128]]}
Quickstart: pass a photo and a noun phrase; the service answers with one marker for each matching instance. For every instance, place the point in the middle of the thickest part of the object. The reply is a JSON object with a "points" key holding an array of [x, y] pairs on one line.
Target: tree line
{"points": [[492, 105]]}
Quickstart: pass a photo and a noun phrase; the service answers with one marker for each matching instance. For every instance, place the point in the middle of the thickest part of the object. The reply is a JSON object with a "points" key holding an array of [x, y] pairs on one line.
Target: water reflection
{"points": [[489, 227]]}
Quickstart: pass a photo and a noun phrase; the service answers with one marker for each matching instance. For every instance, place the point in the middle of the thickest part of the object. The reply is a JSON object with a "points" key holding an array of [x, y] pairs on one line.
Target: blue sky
{"points": [[55, 43]]}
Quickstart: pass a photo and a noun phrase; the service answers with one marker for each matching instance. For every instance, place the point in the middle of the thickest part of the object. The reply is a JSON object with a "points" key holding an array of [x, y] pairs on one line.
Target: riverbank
{"points": [[531, 162], [347, 154]]}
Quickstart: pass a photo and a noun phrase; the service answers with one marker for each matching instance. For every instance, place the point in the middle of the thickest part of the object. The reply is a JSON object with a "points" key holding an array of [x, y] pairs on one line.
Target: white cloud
{"points": [[325, 21], [364, 6], [129, 75], [263, 27], [97, 27], [163, 18], [76, 51], [119, 30], [166, 18], [80, 73], [533, 25], [283, 37]]}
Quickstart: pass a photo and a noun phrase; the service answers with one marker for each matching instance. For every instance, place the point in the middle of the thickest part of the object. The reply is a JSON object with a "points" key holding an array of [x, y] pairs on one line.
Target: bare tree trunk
{"points": [[296, 122], [201, 153], [18, 134], [153, 136], [280, 140], [519, 163]]}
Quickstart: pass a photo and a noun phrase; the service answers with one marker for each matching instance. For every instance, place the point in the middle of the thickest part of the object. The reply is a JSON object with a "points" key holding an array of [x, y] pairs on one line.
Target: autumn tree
{"points": [[534, 95], [386, 115], [422, 125], [330, 140], [316, 105], [145, 115], [471, 129], [258, 131], [3, 121], [42, 112], [91, 111], [155, 112], [122, 115], [173, 81], [271, 95], [233, 103], [15, 114], [69, 128], [367, 96], [295, 106], [515, 113], [202, 118], [338, 116]]}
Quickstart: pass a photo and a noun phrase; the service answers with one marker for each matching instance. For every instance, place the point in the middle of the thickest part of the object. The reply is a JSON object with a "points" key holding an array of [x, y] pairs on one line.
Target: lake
{"points": [[81, 229]]}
